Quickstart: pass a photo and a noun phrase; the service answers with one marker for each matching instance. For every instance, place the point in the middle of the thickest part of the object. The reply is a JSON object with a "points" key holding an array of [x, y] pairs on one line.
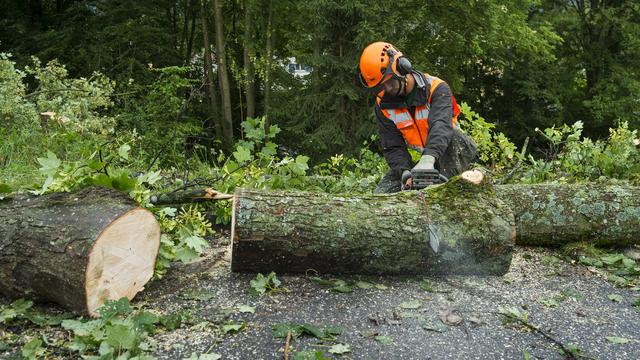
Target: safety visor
{"points": [[388, 75]]}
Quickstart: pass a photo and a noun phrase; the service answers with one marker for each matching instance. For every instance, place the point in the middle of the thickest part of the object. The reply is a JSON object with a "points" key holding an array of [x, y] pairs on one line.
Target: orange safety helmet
{"points": [[379, 62]]}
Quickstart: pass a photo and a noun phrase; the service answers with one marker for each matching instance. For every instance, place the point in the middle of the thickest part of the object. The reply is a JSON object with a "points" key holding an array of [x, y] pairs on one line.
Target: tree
{"points": [[223, 77]]}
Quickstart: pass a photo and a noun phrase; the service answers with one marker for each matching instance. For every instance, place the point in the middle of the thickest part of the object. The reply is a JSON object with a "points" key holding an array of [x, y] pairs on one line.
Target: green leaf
{"points": [[618, 340], [171, 321], [233, 328], [123, 151], [122, 337], [342, 288], [82, 328], [381, 287], [199, 294], [112, 308], [572, 293], [612, 259], [413, 304], [615, 298], [33, 349], [258, 285], [312, 330], [549, 302], [261, 284], [280, 330], [340, 349], [4, 188], [426, 286], [50, 164], [384, 340], [212, 356], [246, 309], [123, 183], [102, 180], [145, 320], [309, 355], [186, 254], [332, 330], [364, 285], [196, 243], [242, 154]]}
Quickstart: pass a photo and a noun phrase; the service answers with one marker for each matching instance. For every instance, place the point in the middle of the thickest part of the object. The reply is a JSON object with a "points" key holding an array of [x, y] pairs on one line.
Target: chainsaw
{"points": [[423, 178]]}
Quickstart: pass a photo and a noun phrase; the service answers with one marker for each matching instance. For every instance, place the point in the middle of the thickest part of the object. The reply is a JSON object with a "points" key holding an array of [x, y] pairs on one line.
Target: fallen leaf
{"points": [[449, 317], [364, 285], [413, 304], [618, 340], [340, 349], [246, 309], [384, 340], [615, 298]]}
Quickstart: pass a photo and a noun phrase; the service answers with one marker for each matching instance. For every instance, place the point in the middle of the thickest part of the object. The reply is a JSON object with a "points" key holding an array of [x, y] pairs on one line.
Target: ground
{"points": [[401, 317]]}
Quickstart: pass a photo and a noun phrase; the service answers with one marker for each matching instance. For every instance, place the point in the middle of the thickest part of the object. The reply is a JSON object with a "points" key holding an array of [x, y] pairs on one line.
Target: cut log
{"points": [[557, 214], [460, 227], [76, 249]]}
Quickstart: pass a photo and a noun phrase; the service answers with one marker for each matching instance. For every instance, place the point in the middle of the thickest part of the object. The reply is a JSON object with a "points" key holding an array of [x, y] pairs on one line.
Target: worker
{"points": [[413, 110]]}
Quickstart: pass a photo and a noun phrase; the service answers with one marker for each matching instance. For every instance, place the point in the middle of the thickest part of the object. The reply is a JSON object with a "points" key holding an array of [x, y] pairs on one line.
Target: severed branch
{"points": [[286, 345], [570, 354], [189, 196]]}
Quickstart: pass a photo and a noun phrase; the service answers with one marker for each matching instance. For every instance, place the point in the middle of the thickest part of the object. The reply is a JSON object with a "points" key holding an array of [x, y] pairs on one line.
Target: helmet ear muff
{"points": [[403, 66]]}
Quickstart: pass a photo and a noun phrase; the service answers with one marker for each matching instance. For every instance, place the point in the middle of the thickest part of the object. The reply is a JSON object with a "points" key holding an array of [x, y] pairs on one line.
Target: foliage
{"points": [[261, 284], [571, 158], [120, 332], [494, 148]]}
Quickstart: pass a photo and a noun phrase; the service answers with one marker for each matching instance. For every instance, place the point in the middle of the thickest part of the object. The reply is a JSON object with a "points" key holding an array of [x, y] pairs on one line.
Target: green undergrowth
{"points": [[120, 332]]}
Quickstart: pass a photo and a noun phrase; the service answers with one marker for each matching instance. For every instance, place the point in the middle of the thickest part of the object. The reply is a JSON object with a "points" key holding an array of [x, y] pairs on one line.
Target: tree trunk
{"points": [[406, 233], [223, 77], [213, 102], [76, 249], [250, 89], [267, 71], [557, 214]]}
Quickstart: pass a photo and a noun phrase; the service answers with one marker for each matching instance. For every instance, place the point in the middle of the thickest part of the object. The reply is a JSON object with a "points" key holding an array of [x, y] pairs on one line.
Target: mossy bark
{"points": [[374, 234], [557, 214], [45, 242]]}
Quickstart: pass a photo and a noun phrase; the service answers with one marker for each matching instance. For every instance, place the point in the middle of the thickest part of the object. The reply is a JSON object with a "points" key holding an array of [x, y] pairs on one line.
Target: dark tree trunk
{"points": [[223, 77], [248, 61], [76, 249], [208, 64]]}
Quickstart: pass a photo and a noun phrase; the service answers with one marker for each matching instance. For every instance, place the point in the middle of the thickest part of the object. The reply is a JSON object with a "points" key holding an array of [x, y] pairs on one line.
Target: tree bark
{"points": [[76, 249], [267, 71], [213, 102], [248, 54], [557, 214], [390, 234], [223, 77], [406, 233]]}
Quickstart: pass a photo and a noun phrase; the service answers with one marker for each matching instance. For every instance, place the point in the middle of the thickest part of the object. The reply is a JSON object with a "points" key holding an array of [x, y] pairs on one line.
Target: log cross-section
{"points": [[76, 249]]}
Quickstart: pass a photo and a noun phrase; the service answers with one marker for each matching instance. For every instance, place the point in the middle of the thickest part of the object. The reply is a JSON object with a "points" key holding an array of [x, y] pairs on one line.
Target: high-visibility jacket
{"points": [[415, 127]]}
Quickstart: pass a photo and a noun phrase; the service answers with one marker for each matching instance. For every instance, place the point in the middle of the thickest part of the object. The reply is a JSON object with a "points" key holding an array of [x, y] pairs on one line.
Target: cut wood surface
{"points": [[456, 228], [76, 249]]}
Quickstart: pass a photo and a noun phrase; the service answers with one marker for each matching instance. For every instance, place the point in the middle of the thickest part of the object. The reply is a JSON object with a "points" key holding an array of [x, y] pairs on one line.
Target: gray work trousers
{"points": [[461, 153]]}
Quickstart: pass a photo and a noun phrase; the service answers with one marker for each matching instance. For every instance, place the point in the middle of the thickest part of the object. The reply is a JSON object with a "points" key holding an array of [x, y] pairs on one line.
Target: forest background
{"points": [[157, 96]]}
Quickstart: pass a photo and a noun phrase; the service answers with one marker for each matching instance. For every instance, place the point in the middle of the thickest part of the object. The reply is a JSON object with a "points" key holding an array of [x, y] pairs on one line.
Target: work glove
{"points": [[406, 180], [426, 162]]}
